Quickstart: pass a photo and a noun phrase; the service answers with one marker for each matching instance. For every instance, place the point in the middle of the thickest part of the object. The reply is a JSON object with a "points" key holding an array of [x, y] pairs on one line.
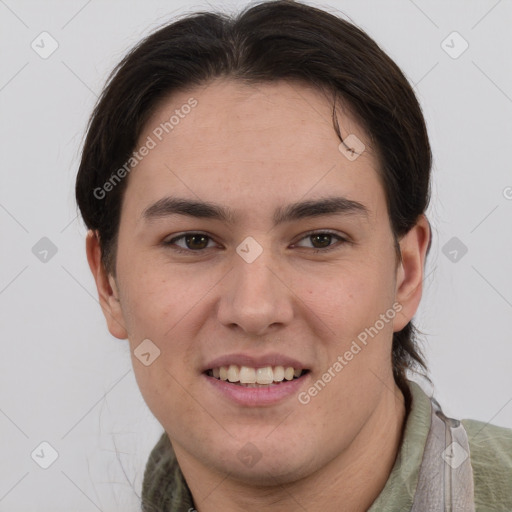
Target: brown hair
{"points": [[277, 39]]}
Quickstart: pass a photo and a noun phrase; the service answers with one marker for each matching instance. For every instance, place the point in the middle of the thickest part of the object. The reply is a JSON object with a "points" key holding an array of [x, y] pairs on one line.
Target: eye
{"points": [[191, 242], [321, 240]]}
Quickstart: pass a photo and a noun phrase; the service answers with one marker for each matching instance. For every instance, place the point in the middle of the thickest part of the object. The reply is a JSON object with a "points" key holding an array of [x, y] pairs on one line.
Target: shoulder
{"points": [[490, 449]]}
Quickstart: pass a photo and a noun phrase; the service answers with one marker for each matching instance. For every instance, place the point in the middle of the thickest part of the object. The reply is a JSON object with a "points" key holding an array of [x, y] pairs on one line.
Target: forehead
{"points": [[228, 111], [274, 139]]}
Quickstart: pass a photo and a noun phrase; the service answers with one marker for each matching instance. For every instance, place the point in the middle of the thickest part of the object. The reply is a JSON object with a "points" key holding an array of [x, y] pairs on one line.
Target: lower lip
{"points": [[254, 397]]}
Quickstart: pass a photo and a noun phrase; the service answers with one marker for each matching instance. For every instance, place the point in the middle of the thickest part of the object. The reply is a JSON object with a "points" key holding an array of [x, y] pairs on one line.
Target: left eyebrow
{"points": [[318, 208], [168, 206]]}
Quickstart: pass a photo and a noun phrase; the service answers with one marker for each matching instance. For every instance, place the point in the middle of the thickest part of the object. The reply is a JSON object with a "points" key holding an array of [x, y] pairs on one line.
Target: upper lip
{"points": [[254, 361]]}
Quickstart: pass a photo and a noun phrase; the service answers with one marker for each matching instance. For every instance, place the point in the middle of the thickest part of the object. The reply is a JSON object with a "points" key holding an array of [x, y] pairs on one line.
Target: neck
{"points": [[353, 478]]}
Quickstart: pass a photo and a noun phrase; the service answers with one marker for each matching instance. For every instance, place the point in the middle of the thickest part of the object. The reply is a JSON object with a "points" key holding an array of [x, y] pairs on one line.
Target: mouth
{"points": [[251, 377]]}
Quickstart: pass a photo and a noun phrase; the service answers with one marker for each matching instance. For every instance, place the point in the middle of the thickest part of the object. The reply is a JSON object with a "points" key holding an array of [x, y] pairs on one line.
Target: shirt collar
{"points": [[398, 493]]}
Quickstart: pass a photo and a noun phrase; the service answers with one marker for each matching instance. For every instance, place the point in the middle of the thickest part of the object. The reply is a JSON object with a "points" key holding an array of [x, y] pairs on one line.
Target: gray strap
{"points": [[445, 482]]}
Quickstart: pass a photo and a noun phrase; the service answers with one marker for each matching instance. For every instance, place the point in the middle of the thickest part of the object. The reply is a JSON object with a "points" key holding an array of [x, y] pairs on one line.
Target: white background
{"points": [[66, 381]]}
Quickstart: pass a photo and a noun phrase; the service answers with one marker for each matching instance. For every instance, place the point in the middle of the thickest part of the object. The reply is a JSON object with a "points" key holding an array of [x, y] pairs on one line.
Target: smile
{"points": [[255, 377]]}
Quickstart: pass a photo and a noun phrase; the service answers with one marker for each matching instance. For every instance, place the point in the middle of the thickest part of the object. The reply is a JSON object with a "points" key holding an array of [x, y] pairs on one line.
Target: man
{"points": [[255, 191]]}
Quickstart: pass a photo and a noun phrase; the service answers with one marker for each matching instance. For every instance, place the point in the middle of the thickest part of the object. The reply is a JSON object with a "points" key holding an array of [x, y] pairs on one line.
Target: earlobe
{"points": [[414, 246], [106, 285]]}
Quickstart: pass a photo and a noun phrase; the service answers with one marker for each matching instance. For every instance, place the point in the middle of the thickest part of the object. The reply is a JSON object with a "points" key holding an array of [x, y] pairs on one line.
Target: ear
{"points": [[414, 247], [107, 288]]}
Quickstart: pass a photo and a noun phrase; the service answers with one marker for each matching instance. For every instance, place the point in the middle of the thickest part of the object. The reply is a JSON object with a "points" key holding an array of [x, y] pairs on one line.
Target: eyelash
{"points": [[341, 241]]}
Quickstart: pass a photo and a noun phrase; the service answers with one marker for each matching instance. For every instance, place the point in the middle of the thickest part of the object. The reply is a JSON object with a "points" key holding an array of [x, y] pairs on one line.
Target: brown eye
{"points": [[323, 240], [189, 242], [197, 241]]}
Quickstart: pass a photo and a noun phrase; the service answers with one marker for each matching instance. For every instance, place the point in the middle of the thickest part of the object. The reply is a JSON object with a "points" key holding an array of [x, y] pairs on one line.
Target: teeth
{"points": [[278, 373], [288, 373], [251, 377], [247, 375], [233, 373], [264, 375]]}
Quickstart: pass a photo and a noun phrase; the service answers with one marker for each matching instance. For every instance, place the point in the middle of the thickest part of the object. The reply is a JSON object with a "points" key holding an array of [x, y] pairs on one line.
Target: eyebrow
{"points": [[168, 206]]}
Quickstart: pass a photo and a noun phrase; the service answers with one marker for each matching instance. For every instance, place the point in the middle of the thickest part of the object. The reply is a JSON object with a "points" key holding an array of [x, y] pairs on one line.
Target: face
{"points": [[256, 284]]}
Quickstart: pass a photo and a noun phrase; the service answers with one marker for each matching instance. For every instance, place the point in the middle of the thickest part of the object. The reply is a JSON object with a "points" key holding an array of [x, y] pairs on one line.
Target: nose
{"points": [[255, 297]]}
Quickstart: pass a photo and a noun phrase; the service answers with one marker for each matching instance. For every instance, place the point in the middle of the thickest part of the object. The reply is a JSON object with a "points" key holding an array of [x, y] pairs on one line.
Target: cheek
{"points": [[166, 391], [162, 308], [348, 297], [158, 308], [155, 297]]}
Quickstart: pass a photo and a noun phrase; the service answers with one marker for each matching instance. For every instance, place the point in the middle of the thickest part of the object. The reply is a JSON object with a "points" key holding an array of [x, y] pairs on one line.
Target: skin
{"points": [[256, 148]]}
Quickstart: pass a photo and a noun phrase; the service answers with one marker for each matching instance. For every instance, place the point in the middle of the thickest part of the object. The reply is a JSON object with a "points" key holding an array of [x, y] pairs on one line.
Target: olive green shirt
{"points": [[164, 488]]}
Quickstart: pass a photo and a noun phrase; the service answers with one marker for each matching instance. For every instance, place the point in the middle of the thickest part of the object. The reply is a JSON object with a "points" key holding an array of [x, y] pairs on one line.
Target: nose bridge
{"points": [[258, 276], [254, 297]]}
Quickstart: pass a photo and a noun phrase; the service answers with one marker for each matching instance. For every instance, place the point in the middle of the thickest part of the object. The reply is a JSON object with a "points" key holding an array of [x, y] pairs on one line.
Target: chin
{"points": [[264, 463], [269, 473]]}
